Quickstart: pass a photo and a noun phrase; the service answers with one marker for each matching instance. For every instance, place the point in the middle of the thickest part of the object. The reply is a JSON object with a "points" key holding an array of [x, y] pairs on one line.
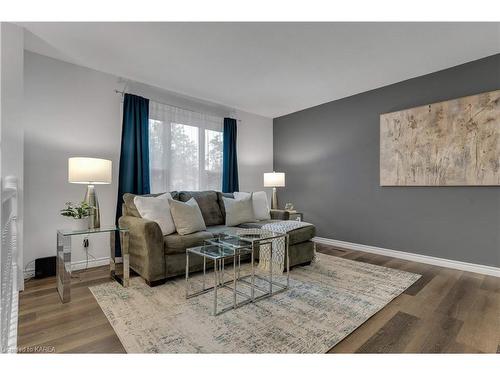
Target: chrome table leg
{"points": [[239, 264], [124, 237], [252, 286], [234, 280], [271, 269], [63, 267], [216, 282], [204, 271], [287, 261], [222, 272], [187, 274]]}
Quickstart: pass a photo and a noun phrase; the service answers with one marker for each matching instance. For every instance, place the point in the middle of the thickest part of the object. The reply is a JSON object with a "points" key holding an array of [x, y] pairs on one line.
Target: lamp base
{"points": [[91, 200], [274, 200]]}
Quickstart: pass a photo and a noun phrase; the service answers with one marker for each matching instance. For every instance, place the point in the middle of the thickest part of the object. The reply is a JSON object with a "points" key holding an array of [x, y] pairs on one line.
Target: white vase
{"points": [[80, 224]]}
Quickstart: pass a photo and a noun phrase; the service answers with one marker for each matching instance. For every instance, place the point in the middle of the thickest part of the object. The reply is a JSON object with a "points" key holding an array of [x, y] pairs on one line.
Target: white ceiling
{"points": [[270, 69]]}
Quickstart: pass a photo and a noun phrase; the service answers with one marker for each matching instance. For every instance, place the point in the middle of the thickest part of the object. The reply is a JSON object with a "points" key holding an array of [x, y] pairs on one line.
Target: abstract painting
{"points": [[452, 143]]}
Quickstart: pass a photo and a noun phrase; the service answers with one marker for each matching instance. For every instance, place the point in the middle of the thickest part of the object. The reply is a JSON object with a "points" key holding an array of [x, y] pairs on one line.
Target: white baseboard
{"points": [[455, 264], [79, 265]]}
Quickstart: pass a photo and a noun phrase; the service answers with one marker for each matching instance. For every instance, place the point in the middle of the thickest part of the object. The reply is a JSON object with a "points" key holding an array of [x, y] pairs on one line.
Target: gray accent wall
{"points": [[330, 154]]}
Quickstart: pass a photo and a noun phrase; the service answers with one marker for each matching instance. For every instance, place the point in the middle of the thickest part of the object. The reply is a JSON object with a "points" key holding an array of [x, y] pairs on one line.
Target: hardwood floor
{"points": [[80, 326], [446, 311]]}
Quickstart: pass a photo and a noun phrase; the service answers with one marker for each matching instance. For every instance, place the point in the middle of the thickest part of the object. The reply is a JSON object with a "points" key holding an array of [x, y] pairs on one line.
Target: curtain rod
{"points": [[122, 93]]}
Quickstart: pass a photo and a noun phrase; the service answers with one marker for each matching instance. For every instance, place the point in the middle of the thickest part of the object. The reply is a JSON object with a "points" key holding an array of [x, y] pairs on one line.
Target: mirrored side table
{"points": [[63, 259]]}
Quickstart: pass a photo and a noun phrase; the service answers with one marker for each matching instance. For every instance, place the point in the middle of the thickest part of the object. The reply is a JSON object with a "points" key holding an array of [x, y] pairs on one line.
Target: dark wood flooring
{"points": [[446, 311]]}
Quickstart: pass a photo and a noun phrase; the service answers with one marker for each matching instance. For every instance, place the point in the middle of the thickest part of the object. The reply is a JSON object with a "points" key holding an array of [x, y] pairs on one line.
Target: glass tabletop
{"points": [[102, 229], [233, 242], [213, 251], [249, 235]]}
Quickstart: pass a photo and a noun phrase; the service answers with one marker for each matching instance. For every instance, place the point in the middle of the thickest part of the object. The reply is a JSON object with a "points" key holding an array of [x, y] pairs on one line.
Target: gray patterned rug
{"points": [[326, 302]]}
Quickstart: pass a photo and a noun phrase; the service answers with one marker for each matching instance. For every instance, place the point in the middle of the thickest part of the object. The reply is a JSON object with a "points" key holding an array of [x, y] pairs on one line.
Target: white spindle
{"points": [[9, 268]]}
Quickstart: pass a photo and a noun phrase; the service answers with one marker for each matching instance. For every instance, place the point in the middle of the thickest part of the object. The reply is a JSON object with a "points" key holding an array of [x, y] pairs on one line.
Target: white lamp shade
{"points": [[274, 179], [89, 171]]}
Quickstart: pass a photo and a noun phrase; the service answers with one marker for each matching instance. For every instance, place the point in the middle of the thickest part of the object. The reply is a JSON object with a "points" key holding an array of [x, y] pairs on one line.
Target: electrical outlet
{"points": [[86, 242]]}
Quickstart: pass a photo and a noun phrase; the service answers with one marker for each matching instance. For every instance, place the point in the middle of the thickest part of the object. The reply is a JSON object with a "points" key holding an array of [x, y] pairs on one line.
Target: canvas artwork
{"points": [[456, 142]]}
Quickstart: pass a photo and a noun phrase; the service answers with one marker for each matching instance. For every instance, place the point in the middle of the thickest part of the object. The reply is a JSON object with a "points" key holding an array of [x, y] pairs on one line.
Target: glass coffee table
{"points": [[233, 244]]}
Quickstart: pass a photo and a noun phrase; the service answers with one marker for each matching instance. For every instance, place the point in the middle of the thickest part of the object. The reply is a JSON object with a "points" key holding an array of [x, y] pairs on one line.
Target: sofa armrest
{"points": [[146, 251], [280, 214]]}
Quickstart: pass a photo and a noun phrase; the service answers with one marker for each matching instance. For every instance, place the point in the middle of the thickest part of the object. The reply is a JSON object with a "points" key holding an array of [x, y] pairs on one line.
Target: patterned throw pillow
{"points": [[187, 216]]}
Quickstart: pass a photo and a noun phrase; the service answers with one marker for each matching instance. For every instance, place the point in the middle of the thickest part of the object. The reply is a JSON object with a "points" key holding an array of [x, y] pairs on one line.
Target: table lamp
{"points": [[274, 180], [90, 171]]}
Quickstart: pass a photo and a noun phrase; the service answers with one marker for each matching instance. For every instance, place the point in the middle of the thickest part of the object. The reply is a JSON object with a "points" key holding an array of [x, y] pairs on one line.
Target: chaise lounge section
{"points": [[157, 258]]}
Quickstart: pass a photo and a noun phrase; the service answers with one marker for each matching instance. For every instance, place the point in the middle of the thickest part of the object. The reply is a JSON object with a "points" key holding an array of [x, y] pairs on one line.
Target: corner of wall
{"points": [[12, 126]]}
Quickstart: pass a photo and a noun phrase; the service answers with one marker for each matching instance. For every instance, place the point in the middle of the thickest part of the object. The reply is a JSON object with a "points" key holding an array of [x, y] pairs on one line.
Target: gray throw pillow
{"points": [[238, 211], [187, 216]]}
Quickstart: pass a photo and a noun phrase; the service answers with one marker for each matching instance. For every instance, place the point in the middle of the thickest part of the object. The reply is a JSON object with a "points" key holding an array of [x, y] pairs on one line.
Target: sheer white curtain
{"points": [[185, 149]]}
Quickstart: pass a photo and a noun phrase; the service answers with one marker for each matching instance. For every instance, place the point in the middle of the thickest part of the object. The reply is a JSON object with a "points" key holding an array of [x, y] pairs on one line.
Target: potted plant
{"points": [[79, 213]]}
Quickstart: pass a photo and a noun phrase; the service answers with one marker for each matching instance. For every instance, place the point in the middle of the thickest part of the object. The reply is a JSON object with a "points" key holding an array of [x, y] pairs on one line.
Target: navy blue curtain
{"points": [[134, 155], [229, 158]]}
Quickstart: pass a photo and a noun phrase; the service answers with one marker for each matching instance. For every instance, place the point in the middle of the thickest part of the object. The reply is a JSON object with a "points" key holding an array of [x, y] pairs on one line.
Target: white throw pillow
{"points": [[156, 209], [259, 203], [187, 216], [239, 195], [238, 211]]}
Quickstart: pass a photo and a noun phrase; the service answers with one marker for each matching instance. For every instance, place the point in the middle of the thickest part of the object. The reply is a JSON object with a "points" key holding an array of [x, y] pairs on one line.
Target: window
{"points": [[185, 150], [213, 159]]}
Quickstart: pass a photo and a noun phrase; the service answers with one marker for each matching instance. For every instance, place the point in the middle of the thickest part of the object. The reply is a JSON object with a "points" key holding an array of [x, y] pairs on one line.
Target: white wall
{"points": [[74, 111], [12, 51], [255, 150], [69, 111]]}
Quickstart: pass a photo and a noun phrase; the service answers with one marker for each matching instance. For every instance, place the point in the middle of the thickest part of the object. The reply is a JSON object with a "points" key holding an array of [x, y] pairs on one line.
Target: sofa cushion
{"points": [[131, 209], [296, 236], [208, 203], [177, 244], [218, 229]]}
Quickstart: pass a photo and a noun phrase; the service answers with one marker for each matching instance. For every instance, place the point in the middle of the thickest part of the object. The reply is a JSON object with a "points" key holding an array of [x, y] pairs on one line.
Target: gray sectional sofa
{"points": [[156, 257]]}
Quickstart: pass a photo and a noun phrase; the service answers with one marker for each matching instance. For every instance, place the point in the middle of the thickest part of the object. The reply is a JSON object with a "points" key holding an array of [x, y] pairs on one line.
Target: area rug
{"points": [[326, 301]]}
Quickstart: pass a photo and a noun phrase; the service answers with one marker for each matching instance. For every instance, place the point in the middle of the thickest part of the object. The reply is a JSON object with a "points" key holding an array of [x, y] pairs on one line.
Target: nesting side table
{"points": [[232, 244], [63, 259]]}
